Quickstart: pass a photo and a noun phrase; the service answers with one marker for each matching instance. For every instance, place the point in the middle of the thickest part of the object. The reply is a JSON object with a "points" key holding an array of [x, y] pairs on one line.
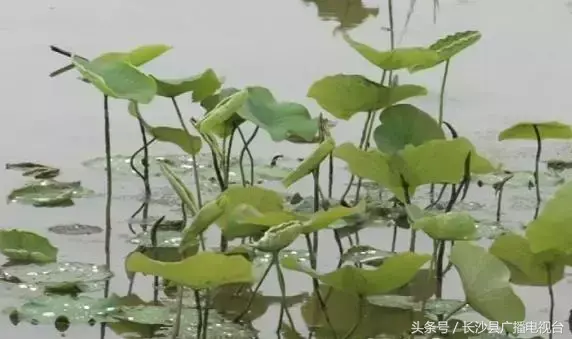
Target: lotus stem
{"points": [[536, 169], [246, 149], [195, 171], [500, 189], [282, 283], [358, 320], [340, 246], [140, 175], [206, 317], [439, 269], [228, 156], [330, 175], [551, 297], [145, 162], [251, 299], [199, 312], [431, 273], [394, 239], [109, 189], [442, 94], [153, 236]]}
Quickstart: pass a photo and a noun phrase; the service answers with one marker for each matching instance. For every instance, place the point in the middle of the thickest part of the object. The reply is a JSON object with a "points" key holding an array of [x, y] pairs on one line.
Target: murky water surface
{"points": [[520, 70]]}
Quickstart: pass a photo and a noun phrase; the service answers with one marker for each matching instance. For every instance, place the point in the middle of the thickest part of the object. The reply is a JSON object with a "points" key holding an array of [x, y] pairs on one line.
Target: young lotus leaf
{"points": [[546, 130], [180, 188], [345, 95], [26, 246], [526, 267], [38, 171], [222, 112], [117, 79], [262, 199], [448, 47], [486, 283], [210, 102], [279, 237], [448, 226], [191, 144], [395, 272], [48, 193], [311, 162], [397, 58], [138, 56], [280, 119], [247, 221], [205, 270], [439, 161], [551, 231], [405, 124], [205, 217], [372, 165], [202, 86], [323, 219]]}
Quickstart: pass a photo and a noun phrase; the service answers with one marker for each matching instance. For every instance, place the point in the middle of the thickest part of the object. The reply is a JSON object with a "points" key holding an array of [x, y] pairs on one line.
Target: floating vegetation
{"points": [[49, 193], [75, 229]]}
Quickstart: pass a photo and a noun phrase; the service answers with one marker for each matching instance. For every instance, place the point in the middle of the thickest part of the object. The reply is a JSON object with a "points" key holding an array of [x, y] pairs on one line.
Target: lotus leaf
{"points": [[26, 246]]}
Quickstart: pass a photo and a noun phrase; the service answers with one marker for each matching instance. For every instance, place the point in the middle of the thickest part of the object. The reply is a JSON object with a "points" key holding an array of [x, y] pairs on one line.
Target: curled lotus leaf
{"points": [[398, 58], [117, 78], [24, 246], [546, 130], [448, 47], [196, 271], [280, 236], [486, 283], [311, 162], [202, 86], [448, 226], [344, 95]]}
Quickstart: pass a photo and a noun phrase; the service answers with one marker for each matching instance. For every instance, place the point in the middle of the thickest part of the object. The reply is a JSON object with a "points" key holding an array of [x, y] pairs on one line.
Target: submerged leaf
{"points": [[486, 283], [546, 130], [397, 58], [551, 231], [202, 85], [345, 95], [26, 246], [448, 47], [526, 267], [202, 271], [403, 125], [311, 162], [117, 78]]}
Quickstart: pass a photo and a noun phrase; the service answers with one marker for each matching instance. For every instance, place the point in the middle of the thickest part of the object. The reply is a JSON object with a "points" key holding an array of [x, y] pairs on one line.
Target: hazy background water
{"points": [[520, 70]]}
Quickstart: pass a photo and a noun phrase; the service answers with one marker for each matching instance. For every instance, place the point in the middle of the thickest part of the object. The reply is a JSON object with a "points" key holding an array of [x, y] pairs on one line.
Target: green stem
{"points": [[330, 175], [551, 297], [536, 170], [206, 316], [439, 269], [246, 150], [199, 312], [177, 325], [282, 283], [145, 162], [251, 299], [442, 94], [109, 188], [195, 168]]}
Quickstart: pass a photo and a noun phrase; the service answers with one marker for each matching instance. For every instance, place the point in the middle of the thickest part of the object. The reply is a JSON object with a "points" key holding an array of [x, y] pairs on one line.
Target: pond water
{"points": [[520, 70]]}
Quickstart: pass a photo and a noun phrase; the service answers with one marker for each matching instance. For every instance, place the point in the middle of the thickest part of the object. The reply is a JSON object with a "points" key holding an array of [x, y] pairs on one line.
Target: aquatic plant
{"points": [[372, 291]]}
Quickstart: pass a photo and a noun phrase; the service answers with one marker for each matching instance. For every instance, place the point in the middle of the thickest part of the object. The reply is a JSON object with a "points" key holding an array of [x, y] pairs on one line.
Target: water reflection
{"points": [[349, 13]]}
